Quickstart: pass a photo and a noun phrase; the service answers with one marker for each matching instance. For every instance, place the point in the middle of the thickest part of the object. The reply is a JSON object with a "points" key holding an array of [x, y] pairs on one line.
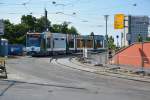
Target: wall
{"points": [[132, 55]]}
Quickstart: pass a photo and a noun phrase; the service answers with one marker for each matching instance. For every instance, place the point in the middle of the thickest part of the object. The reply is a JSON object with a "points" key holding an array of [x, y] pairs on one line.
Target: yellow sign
{"points": [[119, 21]]}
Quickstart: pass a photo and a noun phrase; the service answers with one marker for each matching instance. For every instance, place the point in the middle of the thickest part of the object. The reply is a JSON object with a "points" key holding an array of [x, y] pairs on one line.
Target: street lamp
{"points": [[106, 19], [106, 35]]}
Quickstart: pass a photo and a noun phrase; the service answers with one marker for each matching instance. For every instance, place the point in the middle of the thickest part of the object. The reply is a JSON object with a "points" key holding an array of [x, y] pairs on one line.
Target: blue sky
{"points": [[91, 11]]}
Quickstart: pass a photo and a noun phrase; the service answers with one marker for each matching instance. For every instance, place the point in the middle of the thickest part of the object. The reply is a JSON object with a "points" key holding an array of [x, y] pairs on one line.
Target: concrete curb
{"points": [[105, 73]]}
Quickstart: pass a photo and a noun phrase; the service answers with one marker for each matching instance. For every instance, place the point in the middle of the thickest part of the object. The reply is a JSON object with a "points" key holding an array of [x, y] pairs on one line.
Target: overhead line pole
{"points": [[106, 36], [46, 28]]}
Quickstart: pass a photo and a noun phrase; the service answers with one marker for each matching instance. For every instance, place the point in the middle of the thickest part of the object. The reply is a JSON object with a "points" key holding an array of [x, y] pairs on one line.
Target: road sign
{"points": [[1, 27], [119, 21], [117, 36]]}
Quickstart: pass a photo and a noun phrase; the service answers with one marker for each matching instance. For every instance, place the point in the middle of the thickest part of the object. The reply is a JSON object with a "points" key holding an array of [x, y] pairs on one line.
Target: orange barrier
{"points": [[133, 55]]}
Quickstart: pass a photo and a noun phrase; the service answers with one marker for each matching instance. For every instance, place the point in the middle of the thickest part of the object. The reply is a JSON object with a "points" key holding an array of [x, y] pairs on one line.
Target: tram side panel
{"points": [[59, 43], [89, 44], [71, 43]]}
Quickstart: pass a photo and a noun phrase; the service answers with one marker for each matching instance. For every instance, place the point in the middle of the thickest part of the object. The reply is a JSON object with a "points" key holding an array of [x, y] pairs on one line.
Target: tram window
{"points": [[62, 39]]}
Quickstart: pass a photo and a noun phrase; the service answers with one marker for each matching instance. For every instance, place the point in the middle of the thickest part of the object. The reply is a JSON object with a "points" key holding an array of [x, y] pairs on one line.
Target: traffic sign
{"points": [[119, 21], [117, 36]]}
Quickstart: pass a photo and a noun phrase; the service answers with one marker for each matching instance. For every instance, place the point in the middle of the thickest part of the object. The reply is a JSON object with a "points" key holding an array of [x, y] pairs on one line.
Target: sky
{"points": [[89, 15]]}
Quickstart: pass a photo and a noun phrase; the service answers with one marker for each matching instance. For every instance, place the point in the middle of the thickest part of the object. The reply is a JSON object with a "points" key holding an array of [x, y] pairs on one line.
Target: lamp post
{"points": [[106, 35]]}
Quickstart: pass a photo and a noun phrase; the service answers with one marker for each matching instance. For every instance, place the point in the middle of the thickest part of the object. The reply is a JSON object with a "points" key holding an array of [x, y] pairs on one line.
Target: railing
{"points": [[98, 58], [129, 62]]}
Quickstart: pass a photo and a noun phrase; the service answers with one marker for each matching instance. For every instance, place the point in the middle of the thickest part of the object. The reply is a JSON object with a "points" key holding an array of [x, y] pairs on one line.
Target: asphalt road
{"points": [[38, 79]]}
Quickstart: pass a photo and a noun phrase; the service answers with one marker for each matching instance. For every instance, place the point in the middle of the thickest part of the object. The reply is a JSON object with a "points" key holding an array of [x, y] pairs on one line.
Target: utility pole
{"points": [[121, 39], [106, 19], [124, 35], [106, 35], [46, 26]]}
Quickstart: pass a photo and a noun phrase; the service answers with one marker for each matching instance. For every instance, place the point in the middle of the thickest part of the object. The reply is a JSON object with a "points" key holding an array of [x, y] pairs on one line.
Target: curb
{"points": [[106, 73]]}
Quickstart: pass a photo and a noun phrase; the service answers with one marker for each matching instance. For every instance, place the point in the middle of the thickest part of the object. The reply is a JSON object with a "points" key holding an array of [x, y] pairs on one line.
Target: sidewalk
{"points": [[73, 63]]}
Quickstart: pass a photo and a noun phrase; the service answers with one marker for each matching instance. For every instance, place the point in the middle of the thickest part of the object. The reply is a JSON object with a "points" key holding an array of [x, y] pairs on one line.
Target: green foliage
{"points": [[148, 39], [40, 25], [72, 30], [92, 33], [64, 27], [16, 33], [29, 21], [56, 28], [140, 39], [111, 44]]}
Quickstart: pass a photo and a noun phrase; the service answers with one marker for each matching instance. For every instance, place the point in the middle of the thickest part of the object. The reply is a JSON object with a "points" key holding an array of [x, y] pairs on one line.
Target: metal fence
{"points": [[129, 62], [98, 58]]}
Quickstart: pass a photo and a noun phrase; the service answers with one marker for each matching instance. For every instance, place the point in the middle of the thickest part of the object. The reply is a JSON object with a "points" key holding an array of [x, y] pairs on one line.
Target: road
{"points": [[38, 79]]}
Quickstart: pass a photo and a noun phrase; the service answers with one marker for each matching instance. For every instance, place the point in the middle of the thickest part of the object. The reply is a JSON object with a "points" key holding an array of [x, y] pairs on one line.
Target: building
{"points": [[137, 25]]}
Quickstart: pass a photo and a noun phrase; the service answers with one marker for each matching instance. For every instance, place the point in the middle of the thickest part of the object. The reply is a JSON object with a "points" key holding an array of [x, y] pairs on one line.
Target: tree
{"points": [[20, 33], [40, 24], [140, 39], [9, 30], [64, 27], [148, 39], [56, 28], [29, 21], [72, 30], [92, 34], [111, 44], [16, 33]]}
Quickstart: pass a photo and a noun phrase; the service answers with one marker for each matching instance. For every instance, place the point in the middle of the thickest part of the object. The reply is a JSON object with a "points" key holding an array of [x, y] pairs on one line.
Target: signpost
{"points": [[1, 27], [119, 21]]}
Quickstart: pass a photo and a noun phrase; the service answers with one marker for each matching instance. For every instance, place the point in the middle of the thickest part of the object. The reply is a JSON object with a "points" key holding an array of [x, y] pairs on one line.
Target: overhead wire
{"points": [[24, 4]]}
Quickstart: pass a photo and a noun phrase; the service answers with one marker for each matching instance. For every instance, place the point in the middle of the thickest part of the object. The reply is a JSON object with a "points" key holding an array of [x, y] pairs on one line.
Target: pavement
{"points": [[39, 79]]}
